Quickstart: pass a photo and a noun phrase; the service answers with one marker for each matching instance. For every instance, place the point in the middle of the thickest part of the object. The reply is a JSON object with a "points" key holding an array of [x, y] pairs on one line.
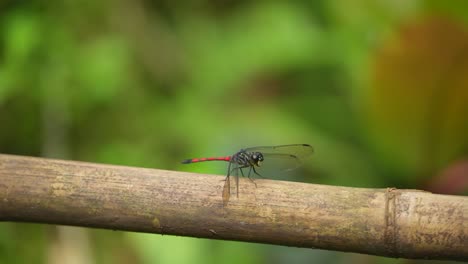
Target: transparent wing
{"points": [[226, 190], [298, 151], [283, 157], [234, 171]]}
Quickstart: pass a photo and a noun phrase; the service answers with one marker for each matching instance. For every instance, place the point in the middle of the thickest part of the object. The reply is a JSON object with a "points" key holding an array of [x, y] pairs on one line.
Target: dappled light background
{"points": [[379, 88]]}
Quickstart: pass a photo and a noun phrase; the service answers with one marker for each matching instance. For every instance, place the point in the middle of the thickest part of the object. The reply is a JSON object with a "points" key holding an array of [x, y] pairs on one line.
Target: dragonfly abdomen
{"points": [[227, 158]]}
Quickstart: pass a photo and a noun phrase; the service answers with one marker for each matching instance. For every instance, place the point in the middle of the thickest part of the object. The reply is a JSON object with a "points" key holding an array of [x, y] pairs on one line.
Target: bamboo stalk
{"points": [[384, 222]]}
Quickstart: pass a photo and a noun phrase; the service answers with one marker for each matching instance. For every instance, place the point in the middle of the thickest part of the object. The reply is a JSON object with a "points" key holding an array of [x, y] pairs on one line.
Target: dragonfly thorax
{"points": [[248, 159]]}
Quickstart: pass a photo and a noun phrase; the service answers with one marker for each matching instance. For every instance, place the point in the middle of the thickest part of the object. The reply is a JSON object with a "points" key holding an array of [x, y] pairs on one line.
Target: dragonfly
{"points": [[282, 157]]}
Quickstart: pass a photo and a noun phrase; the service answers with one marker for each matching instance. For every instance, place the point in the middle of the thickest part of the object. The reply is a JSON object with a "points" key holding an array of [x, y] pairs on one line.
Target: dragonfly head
{"points": [[257, 158]]}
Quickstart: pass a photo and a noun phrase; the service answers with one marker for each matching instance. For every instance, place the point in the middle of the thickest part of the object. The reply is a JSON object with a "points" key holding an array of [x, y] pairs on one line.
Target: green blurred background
{"points": [[379, 88]]}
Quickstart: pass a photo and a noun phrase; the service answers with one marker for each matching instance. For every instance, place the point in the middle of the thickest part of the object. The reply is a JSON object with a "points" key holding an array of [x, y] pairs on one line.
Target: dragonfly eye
{"points": [[258, 157]]}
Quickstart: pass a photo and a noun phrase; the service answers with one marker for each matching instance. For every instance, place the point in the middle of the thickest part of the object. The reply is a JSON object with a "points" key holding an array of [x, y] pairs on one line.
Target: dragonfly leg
{"points": [[242, 172], [236, 176], [229, 172], [233, 170], [248, 176], [240, 169], [257, 172], [229, 169]]}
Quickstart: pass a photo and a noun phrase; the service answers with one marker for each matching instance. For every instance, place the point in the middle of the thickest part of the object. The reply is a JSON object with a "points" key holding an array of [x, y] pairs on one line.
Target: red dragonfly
{"points": [[283, 157]]}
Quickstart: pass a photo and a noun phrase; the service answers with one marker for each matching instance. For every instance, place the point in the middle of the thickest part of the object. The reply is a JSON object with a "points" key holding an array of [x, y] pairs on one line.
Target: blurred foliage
{"points": [[379, 88], [428, 75]]}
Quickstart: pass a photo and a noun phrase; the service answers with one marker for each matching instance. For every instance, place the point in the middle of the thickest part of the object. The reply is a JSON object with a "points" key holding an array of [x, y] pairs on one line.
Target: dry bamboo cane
{"points": [[384, 222]]}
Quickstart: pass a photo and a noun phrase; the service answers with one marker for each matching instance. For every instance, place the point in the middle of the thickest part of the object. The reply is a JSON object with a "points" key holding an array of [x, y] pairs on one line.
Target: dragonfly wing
{"points": [[233, 172], [298, 151], [277, 163], [281, 162], [226, 190], [282, 157]]}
